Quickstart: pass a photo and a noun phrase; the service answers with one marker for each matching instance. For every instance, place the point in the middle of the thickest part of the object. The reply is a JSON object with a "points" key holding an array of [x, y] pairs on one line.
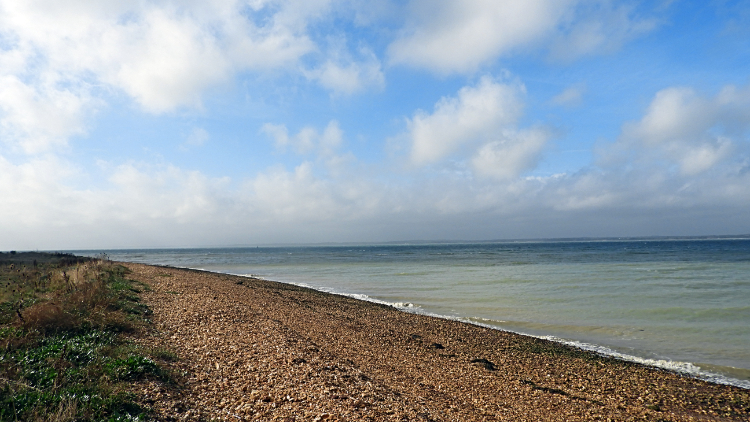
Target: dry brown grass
{"points": [[47, 317], [66, 412], [88, 304]]}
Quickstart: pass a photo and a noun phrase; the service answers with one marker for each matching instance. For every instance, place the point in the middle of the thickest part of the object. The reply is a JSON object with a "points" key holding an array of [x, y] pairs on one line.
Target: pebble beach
{"points": [[251, 349]]}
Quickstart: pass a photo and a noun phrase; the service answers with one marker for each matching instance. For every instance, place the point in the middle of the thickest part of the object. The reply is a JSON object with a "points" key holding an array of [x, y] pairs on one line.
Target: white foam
{"points": [[359, 296], [253, 276], [684, 368]]}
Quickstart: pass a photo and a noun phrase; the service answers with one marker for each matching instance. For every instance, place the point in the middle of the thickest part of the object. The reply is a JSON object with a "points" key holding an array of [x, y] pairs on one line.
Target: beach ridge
{"points": [[252, 349]]}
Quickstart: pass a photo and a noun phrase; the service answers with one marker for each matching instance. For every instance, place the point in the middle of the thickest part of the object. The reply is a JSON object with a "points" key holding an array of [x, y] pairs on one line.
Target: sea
{"points": [[680, 304]]}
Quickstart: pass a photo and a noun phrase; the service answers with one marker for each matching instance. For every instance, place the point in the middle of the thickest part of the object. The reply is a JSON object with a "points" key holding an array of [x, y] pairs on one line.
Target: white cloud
{"points": [[675, 114], [37, 117], [705, 156], [279, 133], [331, 138], [349, 78], [163, 60], [34, 193], [165, 193], [343, 74], [598, 27], [197, 137], [164, 205], [294, 195], [481, 122], [570, 96], [57, 58], [308, 139], [476, 114], [694, 132], [451, 36], [511, 155]]}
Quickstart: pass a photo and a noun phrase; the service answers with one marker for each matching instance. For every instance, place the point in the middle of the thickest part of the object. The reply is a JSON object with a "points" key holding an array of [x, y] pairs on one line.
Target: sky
{"points": [[158, 123]]}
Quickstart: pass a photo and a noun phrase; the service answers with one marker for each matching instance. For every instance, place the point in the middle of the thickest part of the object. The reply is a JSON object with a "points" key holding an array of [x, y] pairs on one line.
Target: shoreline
{"points": [[683, 368], [255, 349]]}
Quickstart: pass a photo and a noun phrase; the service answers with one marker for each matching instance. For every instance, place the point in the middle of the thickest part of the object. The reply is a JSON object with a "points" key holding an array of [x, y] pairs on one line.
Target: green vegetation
{"points": [[64, 351]]}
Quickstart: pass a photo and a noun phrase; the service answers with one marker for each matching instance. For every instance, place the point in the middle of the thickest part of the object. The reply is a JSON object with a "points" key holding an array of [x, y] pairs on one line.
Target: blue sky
{"points": [[221, 122]]}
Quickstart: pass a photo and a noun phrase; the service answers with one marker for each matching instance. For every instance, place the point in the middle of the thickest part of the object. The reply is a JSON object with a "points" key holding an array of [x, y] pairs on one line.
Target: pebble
{"points": [[266, 351]]}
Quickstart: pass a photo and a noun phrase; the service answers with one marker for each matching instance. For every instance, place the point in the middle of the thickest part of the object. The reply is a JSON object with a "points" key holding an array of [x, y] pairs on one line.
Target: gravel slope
{"points": [[259, 350]]}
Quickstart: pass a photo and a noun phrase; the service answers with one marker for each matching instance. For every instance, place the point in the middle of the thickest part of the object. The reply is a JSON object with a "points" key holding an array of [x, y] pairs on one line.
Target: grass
{"points": [[64, 355]]}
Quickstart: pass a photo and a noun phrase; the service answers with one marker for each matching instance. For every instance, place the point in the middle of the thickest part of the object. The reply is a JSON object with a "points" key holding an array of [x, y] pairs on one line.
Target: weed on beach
{"points": [[64, 354]]}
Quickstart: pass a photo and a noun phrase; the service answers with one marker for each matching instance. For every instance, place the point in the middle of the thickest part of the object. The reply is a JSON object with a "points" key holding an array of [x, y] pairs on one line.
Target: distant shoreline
{"points": [[476, 242], [405, 243]]}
